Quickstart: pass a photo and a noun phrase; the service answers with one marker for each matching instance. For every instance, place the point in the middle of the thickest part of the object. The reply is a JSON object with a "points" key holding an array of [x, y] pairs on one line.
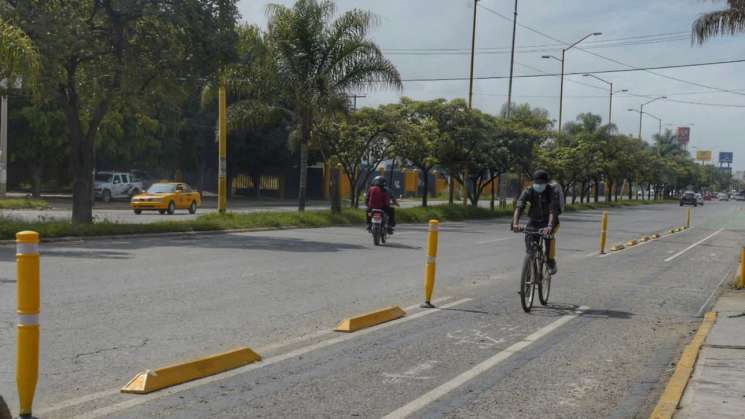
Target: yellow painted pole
{"points": [[29, 299], [603, 232], [741, 284], [688, 224], [429, 270], [222, 186]]}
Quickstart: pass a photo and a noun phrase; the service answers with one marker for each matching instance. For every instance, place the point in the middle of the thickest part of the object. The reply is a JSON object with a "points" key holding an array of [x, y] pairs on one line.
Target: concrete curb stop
{"points": [[673, 393], [363, 321], [153, 380]]}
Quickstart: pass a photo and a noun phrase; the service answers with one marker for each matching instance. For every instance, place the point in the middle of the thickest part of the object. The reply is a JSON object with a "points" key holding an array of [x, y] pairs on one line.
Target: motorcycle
{"points": [[379, 226]]}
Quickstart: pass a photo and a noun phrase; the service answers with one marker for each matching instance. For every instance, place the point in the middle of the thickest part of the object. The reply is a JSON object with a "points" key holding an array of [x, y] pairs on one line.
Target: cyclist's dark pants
{"points": [[390, 212], [550, 243]]}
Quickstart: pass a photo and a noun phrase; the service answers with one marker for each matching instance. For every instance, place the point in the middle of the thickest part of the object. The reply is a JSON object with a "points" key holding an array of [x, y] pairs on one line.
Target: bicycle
{"points": [[535, 269]]}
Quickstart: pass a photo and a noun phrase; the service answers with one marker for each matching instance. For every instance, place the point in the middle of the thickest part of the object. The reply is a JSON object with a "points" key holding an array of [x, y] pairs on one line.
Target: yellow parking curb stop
{"points": [[632, 243], [645, 239], [617, 247], [153, 380], [655, 236], [372, 318]]}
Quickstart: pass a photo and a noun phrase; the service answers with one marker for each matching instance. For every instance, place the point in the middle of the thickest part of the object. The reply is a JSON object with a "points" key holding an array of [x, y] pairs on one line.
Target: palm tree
{"points": [[722, 22], [667, 145], [18, 55], [320, 60]]}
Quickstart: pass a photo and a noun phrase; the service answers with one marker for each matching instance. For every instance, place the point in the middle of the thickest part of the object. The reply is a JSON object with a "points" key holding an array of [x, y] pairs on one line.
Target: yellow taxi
{"points": [[167, 197]]}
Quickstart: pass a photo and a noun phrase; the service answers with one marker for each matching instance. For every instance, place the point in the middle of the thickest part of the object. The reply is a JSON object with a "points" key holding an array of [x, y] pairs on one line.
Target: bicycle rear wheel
{"points": [[527, 283], [544, 286]]}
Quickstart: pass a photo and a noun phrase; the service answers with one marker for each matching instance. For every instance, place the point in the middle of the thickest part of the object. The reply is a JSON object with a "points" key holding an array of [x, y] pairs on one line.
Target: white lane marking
{"points": [[496, 240], [74, 402], [431, 396], [713, 293], [139, 400], [268, 348], [694, 245]]}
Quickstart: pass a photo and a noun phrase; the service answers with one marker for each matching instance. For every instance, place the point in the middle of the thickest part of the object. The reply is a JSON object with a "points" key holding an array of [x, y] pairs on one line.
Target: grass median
{"points": [[23, 203], [235, 221]]}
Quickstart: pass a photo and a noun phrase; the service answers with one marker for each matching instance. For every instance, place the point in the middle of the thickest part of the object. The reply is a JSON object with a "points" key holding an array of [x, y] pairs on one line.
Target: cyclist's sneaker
{"points": [[552, 267]]}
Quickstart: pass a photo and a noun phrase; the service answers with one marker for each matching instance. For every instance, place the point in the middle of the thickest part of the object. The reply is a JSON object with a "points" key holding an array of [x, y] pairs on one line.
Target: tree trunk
{"points": [[354, 196], [335, 191], [451, 190], [491, 202], [82, 166], [631, 191], [425, 189], [303, 179], [256, 179], [36, 174], [597, 191]]}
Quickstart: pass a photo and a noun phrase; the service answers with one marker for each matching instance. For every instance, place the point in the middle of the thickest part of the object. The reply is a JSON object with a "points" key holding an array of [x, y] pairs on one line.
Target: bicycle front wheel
{"points": [[527, 283], [544, 286]]}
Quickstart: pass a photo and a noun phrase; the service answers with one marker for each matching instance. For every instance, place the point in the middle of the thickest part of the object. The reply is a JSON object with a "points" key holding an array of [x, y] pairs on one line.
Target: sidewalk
{"points": [[717, 387]]}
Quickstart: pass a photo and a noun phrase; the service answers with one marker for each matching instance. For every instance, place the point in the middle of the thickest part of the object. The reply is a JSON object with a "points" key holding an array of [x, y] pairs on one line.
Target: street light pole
{"points": [[610, 105], [563, 56], [641, 112], [512, 63], [659, 120]]}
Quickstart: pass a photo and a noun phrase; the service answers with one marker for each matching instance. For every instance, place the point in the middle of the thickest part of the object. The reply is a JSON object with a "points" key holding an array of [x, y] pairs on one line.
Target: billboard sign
{"points": [[703, 155], [684, 135], [725, 157]]}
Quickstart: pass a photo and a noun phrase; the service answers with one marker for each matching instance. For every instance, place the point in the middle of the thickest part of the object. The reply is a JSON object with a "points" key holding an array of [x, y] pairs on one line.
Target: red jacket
{"points": [[377, 198]]}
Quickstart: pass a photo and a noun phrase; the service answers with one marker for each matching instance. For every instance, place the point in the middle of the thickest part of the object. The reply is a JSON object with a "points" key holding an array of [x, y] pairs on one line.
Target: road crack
{"points": [[76, 358]]}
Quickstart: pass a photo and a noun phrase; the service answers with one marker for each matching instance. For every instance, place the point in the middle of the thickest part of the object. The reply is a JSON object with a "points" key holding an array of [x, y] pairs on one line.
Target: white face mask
{"points": [[539, 187]]}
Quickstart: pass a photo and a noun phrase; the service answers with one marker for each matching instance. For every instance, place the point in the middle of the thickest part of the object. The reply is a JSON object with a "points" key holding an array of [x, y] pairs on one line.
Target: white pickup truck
{"points": [[116, 185]]}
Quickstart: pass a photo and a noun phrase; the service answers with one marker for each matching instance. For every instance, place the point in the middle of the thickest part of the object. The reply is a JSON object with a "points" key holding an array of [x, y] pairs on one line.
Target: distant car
{"points": [[740, 196], [708, 196], [116, 185], [167, 198], [700, 199], [688, 198], [723, 196]]}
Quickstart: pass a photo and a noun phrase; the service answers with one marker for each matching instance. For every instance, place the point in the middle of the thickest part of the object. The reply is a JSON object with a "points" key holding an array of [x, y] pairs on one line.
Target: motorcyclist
{"points": [[380, 198], [544, 211]]}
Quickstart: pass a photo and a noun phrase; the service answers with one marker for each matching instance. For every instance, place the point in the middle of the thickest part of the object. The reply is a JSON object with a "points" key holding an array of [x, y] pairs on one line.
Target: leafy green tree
{"points": [[359, 142], [18, 55], [96, 54], [319, 60], [39, 141]]}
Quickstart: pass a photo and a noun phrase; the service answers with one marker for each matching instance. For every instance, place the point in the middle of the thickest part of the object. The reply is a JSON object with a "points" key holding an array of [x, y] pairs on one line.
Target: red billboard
{"points": [[684, 135]]}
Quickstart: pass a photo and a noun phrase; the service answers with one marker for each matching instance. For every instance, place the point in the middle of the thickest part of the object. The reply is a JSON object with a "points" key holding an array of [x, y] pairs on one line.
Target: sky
{"points": [[432, 39]]}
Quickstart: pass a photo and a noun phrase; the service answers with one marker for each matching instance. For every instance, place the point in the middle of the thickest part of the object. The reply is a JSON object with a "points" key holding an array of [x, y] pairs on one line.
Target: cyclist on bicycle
{"points": [[544, 211]]}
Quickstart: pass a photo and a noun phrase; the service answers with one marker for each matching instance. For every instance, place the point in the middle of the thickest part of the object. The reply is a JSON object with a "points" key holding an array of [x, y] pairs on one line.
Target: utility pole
{"points": [[354, 100], [4, 146], [563, 56], [222, 185], [512, 63], [470, 94]]}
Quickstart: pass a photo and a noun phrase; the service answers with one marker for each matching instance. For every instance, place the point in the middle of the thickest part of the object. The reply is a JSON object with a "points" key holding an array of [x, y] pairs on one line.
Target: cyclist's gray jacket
{"points": [[541, 205]]}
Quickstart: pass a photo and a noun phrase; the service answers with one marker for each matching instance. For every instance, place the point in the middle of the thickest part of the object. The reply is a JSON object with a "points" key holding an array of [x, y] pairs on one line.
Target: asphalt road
{"points": [[602, 348]]}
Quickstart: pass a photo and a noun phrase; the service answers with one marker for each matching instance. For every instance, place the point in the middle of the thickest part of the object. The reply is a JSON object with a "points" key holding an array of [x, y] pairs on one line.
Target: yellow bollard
{"points": [[603, 232], [741, 284], [429, 270], [29, 296], [688, 224]]}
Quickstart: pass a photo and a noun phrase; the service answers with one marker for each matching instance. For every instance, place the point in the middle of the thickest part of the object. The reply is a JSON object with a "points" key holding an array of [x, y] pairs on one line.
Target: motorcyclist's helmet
{"points": [[379, 181]]}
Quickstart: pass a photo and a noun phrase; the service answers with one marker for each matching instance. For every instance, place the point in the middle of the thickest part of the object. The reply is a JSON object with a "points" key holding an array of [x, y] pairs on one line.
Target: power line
{"points": [[618, 70], [545, 35], [521, 50]]}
